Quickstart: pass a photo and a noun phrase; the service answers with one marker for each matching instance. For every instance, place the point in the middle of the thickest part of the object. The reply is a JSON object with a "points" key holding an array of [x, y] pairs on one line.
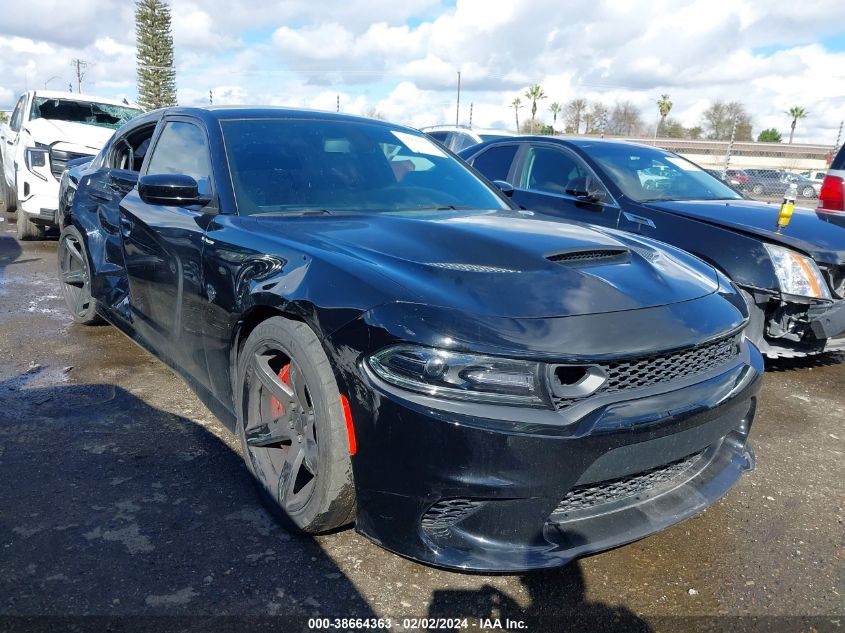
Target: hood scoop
{"points": [[590, 256]]}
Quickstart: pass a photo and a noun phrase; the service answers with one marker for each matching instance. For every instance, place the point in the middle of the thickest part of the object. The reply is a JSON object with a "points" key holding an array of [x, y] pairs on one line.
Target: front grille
{"points": [[59, 160], [661, 368], [588, 256], [634, 487], [447, 512]]}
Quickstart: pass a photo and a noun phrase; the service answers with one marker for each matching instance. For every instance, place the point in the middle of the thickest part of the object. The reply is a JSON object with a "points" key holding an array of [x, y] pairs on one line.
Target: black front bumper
{"points": [[463, 489]]}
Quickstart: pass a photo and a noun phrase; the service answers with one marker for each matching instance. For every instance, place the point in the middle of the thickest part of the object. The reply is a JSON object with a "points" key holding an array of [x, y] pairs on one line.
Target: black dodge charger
{"points": [[399, 346]]}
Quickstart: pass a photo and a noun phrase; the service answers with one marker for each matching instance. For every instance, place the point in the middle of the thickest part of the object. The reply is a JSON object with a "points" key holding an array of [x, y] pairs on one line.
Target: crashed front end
{"points": [[807, 316]]}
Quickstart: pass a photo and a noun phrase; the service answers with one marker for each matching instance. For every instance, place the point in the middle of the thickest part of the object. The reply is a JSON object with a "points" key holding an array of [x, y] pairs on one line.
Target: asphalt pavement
{"points": [[125, 504]]}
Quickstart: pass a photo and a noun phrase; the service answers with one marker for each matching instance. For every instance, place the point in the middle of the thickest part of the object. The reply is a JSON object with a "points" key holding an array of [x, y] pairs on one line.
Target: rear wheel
{"points": [[292, 426], [75, 277], [808, 192], [757, 190], [7, 196]]}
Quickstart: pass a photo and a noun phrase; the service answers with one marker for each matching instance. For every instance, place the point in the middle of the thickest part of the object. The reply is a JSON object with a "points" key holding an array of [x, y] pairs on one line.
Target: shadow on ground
{"points": [[110, 506]]}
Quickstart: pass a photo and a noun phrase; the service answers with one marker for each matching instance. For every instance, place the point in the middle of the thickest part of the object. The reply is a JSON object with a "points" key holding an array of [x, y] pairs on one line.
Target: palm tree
{"points": [[534, 94], [664, 105], [516, 105], [796, 112], [554, 109]]}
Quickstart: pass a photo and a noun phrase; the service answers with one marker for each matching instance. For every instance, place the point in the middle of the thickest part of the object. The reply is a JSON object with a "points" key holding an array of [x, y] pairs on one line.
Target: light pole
{"points": [[50, 79], [458, 107]]}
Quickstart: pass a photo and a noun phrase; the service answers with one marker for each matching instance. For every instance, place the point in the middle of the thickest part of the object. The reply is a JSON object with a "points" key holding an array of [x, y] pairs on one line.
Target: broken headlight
{"points": [[461, 376], [797, 274]]}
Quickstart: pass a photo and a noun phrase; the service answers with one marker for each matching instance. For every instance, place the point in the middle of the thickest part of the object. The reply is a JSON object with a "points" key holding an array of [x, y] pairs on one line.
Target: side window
{"points": [[128, 151], [550, 170], [495, 162], [182, 149], [17, 115]]}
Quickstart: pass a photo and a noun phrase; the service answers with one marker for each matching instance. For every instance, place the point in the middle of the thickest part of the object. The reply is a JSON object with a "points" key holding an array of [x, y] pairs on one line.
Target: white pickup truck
{"points": [[46, 130]]}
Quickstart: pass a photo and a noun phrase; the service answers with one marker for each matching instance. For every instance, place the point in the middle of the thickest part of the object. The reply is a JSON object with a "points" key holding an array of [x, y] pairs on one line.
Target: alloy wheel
{"points": [[74, 276], [280, 429]]}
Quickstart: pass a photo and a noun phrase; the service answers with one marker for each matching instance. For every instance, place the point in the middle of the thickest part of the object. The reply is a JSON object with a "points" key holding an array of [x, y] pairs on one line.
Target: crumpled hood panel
{"points": [[86, 138]]}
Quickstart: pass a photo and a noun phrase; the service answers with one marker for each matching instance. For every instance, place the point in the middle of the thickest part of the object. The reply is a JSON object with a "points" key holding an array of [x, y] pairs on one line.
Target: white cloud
{"points": [[403, 58]]}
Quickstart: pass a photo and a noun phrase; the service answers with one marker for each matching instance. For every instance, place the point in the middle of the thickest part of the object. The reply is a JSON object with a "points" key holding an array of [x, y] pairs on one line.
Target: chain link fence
{"points": [[762, 171]]}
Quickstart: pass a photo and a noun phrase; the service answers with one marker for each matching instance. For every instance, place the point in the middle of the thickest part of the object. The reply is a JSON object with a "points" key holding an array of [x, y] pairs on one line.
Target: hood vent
{"points": [[592, 256]]}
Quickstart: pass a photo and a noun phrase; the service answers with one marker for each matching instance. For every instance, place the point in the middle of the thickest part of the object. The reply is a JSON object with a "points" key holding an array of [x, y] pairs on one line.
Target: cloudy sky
{"points": [[402, 58]]}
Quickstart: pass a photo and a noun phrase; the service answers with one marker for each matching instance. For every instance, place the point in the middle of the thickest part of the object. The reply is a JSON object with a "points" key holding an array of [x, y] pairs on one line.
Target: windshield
{"points": [[294, 165], [106, 115], [648, 174]]}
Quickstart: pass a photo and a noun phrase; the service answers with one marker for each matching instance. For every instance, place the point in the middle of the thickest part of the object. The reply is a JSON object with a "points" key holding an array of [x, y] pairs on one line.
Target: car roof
{"points": [[468, 130], [221, 113]]}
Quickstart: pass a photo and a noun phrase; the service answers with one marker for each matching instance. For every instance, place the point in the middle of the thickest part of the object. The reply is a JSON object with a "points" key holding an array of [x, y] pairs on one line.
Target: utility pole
{"points": [[80, 66], [338, 103], [838, 138], [210, 98], [458, 108], [470, 115]]}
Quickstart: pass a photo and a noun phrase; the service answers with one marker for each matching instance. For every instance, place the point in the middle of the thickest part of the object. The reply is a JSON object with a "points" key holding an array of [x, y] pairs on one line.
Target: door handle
{"points": [[9, 142]]}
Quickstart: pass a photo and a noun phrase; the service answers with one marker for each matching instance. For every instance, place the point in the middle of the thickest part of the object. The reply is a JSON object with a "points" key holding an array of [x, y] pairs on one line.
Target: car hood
{"points": [[497, 262], [86, 137], [807, 232]]}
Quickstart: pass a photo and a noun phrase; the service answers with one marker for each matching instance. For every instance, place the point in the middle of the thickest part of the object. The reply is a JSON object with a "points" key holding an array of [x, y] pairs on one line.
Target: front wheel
{"points": [[75, 277], [757, 190], [292, 426]]}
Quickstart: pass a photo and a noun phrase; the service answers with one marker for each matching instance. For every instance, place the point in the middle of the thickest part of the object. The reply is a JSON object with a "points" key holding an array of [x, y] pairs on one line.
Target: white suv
{"points": [[47, 130]]}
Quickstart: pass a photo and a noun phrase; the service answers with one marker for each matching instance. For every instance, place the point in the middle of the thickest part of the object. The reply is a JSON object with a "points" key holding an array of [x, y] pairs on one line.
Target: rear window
{"points": [[291, 165]]}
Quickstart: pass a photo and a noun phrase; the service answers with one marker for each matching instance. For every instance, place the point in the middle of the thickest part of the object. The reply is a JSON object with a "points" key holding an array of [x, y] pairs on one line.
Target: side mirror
{"points": [[170, 190], [505, 187]]}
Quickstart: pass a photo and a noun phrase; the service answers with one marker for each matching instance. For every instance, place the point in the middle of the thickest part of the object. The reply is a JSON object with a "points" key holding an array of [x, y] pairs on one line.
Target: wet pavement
{"points": [[124, 500]]}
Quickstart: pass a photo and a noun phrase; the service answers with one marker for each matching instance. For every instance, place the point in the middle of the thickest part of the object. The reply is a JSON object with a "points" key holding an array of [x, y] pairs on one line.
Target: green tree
{"points": [[516, 104], [534, 94], [664, 106], [554, 109], [154, 57], [4, 118], [695, 133], [795, 112], [770, 135]]}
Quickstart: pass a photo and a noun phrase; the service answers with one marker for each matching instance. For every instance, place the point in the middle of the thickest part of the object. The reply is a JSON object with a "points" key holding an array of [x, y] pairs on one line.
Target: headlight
{"points": [[461, 376], [36, 157], [797, 274]]}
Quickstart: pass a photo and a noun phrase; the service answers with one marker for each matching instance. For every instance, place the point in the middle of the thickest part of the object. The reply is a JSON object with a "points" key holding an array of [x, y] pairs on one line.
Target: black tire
{"points": [[808, 192], [75, 277], [757, 190], [27, 229], [288, 405]]}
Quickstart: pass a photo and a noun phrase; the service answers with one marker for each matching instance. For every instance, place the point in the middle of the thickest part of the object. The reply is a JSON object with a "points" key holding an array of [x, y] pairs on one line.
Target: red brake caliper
{"points": [[277, 409]]}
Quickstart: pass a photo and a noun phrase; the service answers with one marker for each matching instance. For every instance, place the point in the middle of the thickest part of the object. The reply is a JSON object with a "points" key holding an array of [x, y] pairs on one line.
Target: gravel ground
{"points": [[124, 505]]}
